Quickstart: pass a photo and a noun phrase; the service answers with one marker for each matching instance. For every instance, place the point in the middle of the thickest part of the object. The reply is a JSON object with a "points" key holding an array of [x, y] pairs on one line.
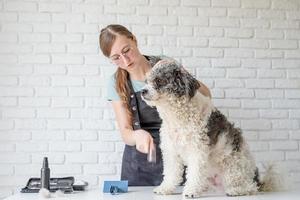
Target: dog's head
{"points": [[168, 80]]}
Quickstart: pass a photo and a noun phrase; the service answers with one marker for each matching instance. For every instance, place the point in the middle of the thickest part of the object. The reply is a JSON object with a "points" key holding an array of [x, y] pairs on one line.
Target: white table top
{"points": [[146, 193]]}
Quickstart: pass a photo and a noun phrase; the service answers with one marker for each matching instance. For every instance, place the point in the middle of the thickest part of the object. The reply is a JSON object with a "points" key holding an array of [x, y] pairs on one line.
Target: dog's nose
{"points": [[144, 91]]}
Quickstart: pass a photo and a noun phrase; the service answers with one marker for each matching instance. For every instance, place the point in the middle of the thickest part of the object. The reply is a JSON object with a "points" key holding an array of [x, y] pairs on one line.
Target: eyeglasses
{"points": [[124, 52]]}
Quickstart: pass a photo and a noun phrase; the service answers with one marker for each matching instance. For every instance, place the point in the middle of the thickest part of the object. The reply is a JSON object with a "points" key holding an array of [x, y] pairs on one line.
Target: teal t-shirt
{"points": [[112, 94]]}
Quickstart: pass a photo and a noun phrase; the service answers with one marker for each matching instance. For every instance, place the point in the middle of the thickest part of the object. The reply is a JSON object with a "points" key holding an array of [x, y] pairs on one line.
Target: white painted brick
{"points": [[49, 27], [98, 146], [284, 24], [133, 2], [79, 157], [157, 30], [52, 113], [269, 156], [15, 91], [176, 52], [273, 114], [293, 14], [47, 135], [81, 135], [53, 7], [243, 114], [87, 113], [67, 59], [285, 124], [103, 19], [226, 3], [32, 169], [293, 155], [33, 101], [15, 158], [283, 44], [13, 135], [66, 169], [250, 135], [8, 17], [84, 92], [64, 38], [283, 145], [6, 169], [64, 146], [268, 54], [192, 21], [255, 4], [292, 94], [295, 135], [254, 23], [239, 33], [271, 73], [166, 41], [254, 83], [270, 14], [226, 62], [110, 157], [87, 8], [227, 103], [292, 53], [208, 52], [8, 101], [67, 102], [241, 13], [256, 103], [51, 91], [15, 48], [293, 73], [269, 34], [34, 59], [166, 2], [17, 27], [66, 17], [238, 53], [182, 11], [34, 17], [256, 124], [48, 69], [134, 20], [8, 37], [7, 147], [294, 114], [223, 42], [53, 158], [99, 169], [34, 37], [286, 103], [34, 81], [253, 43], [241, 73], [8, 81], [273, 135], [192, 42], [49, 48], [217, 93], [284, 83], [284, 4], [223, 22], [229, 83], [15, 70], [269, 94], [208, 32], [86, 70], [30, 124], [18, 113], [258, 146], [211, 73], [20, 6], [284, 63], [212, 12], [66, 81], [98, 124], [239, 93], [63, 124], [114, 9], [110, 136]]}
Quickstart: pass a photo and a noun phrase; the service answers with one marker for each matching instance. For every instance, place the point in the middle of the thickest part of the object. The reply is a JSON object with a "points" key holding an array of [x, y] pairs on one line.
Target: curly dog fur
{"points": [[196, 134]]}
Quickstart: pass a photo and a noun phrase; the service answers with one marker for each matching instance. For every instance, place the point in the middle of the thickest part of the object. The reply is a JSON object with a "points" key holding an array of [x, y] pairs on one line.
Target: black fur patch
{"points": [[256, 178], [218, 124]]}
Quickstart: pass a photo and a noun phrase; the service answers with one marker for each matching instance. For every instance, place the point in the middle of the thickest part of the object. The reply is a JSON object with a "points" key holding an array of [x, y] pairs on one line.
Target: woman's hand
{"points": [[143, 140]]}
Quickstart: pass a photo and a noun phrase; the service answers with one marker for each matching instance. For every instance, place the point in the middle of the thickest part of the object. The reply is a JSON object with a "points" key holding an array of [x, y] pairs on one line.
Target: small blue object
{"points": [[115, 187]]}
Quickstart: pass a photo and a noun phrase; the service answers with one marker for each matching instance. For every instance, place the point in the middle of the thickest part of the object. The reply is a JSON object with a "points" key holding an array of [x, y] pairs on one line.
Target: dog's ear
{"points": [[193, 85]]}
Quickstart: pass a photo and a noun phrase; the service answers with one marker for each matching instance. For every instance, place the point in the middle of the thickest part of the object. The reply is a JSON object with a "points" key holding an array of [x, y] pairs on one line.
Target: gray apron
{"points": [[135, 167]]}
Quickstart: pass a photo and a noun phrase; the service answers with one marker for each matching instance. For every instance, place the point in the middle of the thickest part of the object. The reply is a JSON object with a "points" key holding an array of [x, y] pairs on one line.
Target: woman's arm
{"points": [[204, 90], [141, 138]]}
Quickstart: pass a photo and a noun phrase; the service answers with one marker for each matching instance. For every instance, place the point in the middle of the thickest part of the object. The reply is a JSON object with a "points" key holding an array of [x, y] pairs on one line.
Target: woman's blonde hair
{"points": [[106, 40]]}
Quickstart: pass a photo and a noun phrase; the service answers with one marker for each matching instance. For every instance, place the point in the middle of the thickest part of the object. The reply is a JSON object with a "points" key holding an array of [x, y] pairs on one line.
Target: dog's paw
{"points": [[163, 190], [191, 193]]}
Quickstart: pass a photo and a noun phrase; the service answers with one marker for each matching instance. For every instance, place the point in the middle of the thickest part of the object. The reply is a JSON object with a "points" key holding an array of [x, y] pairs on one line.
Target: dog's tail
{"points": [[275, 179]]}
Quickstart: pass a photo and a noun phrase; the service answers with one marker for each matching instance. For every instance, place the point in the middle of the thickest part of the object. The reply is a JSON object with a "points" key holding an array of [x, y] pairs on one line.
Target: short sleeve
{"points": [[112, 94]]}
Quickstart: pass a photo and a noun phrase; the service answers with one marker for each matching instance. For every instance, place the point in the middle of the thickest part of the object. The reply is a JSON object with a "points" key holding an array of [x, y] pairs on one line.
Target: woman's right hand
{"points": [[143, 140]]}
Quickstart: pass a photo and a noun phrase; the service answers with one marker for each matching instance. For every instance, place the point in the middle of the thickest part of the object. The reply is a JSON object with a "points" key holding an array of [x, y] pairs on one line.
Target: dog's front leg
{"points": [[197, 174], [173, 172]]}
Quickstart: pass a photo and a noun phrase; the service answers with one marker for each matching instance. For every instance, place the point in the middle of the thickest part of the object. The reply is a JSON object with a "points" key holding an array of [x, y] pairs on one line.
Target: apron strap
{"points": [[134, 108]]}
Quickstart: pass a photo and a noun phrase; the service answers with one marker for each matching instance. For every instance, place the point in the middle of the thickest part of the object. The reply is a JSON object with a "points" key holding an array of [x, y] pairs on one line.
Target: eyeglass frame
{"points": [[124, 53]]}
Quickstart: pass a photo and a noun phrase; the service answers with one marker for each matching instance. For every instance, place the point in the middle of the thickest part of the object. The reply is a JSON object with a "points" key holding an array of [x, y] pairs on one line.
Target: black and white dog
{"points": [[196, 134]]}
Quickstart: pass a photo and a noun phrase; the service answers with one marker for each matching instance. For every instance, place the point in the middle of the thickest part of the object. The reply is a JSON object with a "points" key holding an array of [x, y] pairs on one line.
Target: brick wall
{"points": [[52, 77]]}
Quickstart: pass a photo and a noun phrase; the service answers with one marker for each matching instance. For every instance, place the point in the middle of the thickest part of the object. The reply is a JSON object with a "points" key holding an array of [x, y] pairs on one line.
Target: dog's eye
{"points": [[161, 82]]}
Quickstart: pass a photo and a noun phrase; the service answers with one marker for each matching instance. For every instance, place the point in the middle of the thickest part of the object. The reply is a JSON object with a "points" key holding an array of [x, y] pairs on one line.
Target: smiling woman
{"points": [[139, 123]]}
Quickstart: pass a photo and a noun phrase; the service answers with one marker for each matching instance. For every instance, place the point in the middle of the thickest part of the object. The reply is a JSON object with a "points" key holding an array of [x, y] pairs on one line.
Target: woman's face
{"points": [[124, 52]]}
